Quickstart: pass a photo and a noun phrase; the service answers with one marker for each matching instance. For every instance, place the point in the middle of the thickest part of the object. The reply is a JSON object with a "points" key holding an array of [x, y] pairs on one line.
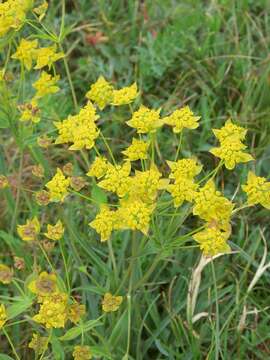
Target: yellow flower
{"points": [[231, 152], [182, 118], [38, 343], [30, 230], [125, 95], [47, 56], [81, 129], [4, 183], [104, 223], [41, 10], [75, 312], [229, 130], [145, 184], [212, 240], [111, 303], [13, 14], [82, 353], [145, 120], [231, 148], [117, 179], [6, 274], [55, 232], [26, 52], [257, 190], [98, 168], [101, 93], [44, 285], [183, 189], [53, 311], [58, 186], [134, 215], [46, 84], [3, 315], [137, 150], [187, 168], [210, 205], [30, 112]]}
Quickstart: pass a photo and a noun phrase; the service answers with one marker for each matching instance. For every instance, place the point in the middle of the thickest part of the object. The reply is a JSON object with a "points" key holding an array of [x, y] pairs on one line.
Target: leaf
{"points": [[19, 308], [78, 330], [57, 349], [5, 357], [98, 195]]}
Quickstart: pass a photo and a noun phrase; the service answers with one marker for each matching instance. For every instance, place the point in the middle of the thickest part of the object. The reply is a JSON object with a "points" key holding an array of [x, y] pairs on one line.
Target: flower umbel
{"points": [[182, 118], [58, 186], [55, 232], [145, 120], [82, 353], [111, 303], [38, 343], [30, 230], [101, 93], [257, 190]]}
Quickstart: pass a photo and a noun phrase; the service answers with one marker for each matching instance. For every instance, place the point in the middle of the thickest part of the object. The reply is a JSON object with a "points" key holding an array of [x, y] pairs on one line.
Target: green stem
{"points": [[108, 147], [179, 146], [75, 102], [11, 344], [112, 257]]}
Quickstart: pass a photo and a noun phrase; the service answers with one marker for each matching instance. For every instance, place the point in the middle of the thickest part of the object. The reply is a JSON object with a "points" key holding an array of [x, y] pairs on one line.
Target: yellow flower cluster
{"points": [[54, 307], [30, 111], [44, 285], [102, 94], [58, 186], [212, 240], [80, 129], [134, 215], [138, 194], [111, 303], [116, 179], [6, 274], [38, 343], [182, 118], [3, 315], [98, 168], [46, 85], [104, 223], [30, 230], [231, 146], [145, 120], [184, 187], [257, 190], [27, 53], [216, 210], [137, 150], [55, 232], [53, 311], [47, 56], [81, 352], [75, 312], [13, 14]]}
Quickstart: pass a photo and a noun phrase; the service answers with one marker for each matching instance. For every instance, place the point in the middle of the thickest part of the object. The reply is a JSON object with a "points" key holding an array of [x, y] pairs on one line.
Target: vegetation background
{"points": [[214, 56]]}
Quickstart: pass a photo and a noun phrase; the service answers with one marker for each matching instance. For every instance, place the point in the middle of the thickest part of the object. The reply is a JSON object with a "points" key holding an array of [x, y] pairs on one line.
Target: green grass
{"points": [[212, 55]]}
